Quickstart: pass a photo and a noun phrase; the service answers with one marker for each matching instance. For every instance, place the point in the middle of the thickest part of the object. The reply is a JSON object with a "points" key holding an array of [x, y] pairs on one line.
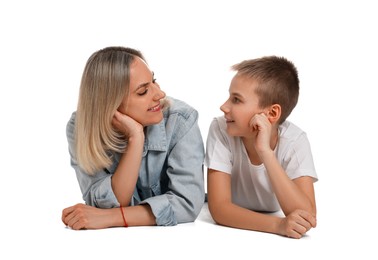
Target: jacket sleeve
{"points": [[96, 189], [185, 196]]}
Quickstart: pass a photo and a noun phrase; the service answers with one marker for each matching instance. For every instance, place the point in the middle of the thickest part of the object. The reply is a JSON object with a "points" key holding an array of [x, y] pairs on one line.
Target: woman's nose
{"points": [[159, 94]]}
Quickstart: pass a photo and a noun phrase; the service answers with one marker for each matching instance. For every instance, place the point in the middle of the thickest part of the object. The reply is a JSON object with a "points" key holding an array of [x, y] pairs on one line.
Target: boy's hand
{"points": [[261, 130], [296, 224]]}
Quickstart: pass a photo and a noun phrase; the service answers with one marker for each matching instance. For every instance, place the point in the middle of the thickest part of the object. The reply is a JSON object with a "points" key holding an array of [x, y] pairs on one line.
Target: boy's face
{"points": [[241, 105]]}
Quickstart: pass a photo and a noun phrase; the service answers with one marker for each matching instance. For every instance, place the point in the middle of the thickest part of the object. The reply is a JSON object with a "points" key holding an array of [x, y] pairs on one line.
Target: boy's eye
{"points": [[154, 80], [235, 100]]}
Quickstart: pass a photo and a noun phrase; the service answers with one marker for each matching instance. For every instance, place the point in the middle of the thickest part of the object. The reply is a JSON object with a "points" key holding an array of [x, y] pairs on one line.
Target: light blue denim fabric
{"points": [[171, 176]]}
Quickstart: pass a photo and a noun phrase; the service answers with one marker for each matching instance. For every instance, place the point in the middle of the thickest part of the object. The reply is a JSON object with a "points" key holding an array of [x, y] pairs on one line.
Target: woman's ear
{"points": [[274, 113]]}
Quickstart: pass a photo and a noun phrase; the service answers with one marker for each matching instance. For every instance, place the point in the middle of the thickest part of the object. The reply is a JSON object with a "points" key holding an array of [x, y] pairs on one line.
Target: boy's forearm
{"points": [[289, 195], [234, 216]]}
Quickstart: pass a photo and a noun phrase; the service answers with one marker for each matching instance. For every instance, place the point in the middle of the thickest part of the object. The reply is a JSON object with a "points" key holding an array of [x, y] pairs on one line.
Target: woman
{"points": [[138, 155]]}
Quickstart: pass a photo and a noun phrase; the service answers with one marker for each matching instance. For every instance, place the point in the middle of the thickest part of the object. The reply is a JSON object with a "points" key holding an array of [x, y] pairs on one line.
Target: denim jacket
{"points": [[170, 178]]}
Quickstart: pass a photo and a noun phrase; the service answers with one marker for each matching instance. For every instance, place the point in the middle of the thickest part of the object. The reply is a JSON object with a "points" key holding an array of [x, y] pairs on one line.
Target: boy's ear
{"points": [[274, 113]]}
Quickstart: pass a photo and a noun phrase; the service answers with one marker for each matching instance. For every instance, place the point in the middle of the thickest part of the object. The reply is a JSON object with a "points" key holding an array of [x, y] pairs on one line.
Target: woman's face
{"points": [[143, 102]]}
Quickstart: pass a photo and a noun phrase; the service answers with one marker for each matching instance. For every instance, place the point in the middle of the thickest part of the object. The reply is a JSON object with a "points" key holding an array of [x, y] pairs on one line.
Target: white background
{"points": [[190, 45]]}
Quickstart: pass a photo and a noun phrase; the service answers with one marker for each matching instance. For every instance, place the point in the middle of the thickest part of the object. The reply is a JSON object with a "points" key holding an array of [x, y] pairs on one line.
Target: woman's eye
{"points": [[143, 92]]}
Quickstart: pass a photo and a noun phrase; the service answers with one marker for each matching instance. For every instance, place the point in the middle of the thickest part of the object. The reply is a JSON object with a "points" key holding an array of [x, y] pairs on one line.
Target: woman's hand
{"points": [[81, 216], [127, 125], [296, 224]]}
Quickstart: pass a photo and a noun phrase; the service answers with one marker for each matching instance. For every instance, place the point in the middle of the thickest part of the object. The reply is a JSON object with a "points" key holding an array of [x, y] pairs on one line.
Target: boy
{"points": [[257, 161]]}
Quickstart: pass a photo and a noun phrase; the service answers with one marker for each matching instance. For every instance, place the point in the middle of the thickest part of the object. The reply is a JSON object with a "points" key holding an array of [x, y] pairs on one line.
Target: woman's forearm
{"points": [[125, 177]]}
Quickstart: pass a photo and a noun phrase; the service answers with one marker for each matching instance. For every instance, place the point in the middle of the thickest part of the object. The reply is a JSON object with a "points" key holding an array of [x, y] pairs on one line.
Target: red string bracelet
{"points": [[123, 216]]}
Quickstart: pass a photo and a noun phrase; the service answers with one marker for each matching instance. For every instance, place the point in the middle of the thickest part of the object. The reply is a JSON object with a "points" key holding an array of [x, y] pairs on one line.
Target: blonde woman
{"points": [[138, 155]]}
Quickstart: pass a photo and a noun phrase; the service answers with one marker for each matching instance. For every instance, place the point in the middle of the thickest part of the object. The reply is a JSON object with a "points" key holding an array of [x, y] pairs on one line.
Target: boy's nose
{"points": [[224, 108]]}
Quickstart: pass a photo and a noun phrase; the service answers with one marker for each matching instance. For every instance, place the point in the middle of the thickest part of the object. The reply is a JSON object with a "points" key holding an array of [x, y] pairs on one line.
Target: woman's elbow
{"points": [[192, 210]]}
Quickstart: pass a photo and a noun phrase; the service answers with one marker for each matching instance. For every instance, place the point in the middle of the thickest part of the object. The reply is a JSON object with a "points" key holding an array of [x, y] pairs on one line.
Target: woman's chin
{"points": [[154, 121]]}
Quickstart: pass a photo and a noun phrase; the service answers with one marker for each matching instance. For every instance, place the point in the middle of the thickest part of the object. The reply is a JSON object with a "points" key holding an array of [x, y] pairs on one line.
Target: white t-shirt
{"points": [[250, 185]]}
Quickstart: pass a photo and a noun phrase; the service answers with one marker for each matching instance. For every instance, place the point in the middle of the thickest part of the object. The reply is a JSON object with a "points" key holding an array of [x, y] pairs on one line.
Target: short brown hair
{"points": [[278, 81]]}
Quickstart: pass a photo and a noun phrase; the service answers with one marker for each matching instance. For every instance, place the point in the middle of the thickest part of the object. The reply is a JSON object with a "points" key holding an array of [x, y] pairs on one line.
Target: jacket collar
{"points": [[156, 138]]}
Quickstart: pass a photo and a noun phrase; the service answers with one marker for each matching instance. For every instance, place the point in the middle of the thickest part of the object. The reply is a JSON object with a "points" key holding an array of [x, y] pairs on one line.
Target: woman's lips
{"points": [[155, 108]]}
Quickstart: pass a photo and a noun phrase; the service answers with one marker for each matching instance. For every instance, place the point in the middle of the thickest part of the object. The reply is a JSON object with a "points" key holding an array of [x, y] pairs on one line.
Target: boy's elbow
{"points": [[216, 213]]}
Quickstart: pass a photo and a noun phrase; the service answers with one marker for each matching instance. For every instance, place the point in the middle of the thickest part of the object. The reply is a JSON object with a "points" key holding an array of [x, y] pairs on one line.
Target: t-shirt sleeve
{"points": [[298, 160], [218, 153]]}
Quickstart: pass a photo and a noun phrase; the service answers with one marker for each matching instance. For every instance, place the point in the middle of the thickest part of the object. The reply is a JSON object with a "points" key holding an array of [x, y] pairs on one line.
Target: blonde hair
{"points": [[104, 84]]}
